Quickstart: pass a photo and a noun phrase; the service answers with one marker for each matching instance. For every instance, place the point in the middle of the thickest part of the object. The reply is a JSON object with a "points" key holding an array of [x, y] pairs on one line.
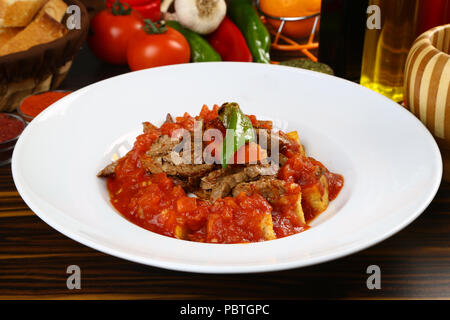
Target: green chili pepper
{"points": [[255, 32], [201, 50], [239, 130]]}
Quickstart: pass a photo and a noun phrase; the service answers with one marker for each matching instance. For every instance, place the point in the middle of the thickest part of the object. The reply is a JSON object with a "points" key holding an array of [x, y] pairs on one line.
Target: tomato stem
{"points": [[121, 8], [151, 27]]}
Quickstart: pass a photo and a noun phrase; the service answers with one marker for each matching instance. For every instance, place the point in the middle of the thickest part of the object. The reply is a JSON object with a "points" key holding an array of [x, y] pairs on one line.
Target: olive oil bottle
{"points": [[386, 48]]}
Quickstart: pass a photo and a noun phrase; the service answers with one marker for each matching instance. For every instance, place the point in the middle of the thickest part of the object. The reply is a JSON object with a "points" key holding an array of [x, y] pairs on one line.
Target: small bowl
{"points": [[7, 147], [27, 117], [23, 115]]}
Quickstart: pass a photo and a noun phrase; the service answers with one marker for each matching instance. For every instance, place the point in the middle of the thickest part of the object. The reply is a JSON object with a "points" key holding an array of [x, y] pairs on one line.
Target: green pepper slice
{"points": [[201, 50], [255, 32], [239, 130]]}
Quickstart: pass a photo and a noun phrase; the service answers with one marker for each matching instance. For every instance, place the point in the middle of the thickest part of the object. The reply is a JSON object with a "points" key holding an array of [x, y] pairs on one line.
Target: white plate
{"points": [[391, 163]]}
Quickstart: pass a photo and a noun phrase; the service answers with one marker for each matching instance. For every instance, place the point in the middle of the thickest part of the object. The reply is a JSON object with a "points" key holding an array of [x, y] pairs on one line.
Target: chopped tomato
{"points": [[250, 153], [207, 114]]}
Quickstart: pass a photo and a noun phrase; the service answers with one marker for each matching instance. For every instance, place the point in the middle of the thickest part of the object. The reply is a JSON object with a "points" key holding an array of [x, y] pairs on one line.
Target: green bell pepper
{"points": [[255, 32], [201, 50], [239, 130]]}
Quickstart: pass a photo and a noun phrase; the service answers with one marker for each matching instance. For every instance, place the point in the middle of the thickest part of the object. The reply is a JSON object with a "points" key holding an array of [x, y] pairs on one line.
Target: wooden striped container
{"points": [[427, 86]]}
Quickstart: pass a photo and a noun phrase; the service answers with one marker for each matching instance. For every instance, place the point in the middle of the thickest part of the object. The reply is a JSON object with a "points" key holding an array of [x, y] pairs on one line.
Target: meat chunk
{"points": [[108, 171], [268, 140], [269, 187], [222, 181], [169, 118], [252, 171], [159, 165], [162, 146], [209, 181], [190, 184], [202, 193], [227, 183], [161, 157]]}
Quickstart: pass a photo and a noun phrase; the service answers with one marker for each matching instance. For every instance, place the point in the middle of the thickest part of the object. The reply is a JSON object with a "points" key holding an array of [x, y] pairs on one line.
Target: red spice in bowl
{"points": [[11, 126], [32, 105]]}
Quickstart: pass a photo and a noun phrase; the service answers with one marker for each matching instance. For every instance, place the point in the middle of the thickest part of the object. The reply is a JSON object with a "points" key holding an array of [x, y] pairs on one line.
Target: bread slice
{"points": [[7, 34], [55, 9], [19, 13], [42, 30]]}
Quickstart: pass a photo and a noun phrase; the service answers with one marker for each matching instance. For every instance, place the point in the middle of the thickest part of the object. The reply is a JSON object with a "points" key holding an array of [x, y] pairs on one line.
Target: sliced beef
{"points": [[202, 194], [162, 146], [190, 184], [169, 118], [161, 157], [268, 138], [269, 187], [222, 181], [156, 165], [226, 184], [187, 170], [276, 191], [266, 169], [108, 170], [252, 171], [209, 181]]}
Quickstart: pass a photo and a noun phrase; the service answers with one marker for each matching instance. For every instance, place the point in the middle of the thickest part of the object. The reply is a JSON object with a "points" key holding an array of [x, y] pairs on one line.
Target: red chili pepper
{"points": [[149, 9], [229, 42]]}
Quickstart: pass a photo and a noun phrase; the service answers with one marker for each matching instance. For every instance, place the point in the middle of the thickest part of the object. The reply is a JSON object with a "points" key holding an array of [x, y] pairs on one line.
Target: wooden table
{"points": [[415, 263]]}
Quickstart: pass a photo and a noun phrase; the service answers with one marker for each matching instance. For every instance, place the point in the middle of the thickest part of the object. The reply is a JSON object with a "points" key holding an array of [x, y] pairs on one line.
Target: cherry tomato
{"points": [[110, 34], [147, 50]]}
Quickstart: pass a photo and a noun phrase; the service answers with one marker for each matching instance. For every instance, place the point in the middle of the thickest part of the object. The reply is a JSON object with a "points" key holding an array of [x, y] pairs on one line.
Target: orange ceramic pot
{"points": [[291, 9]]}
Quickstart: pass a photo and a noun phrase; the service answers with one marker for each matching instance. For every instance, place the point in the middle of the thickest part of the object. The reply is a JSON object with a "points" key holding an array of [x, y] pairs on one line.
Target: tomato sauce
{"points": [[35, 104], [307, 172], [155, 203], [10, 127], [285, 219]]}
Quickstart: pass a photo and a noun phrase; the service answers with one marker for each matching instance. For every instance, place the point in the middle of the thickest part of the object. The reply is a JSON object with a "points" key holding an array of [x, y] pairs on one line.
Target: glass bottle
{"points": [[342, 27], [386, 48]]}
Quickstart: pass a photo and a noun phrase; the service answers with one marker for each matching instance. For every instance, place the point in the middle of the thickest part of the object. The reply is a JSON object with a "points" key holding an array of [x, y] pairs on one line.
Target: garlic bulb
{"points": [[201, 16]]}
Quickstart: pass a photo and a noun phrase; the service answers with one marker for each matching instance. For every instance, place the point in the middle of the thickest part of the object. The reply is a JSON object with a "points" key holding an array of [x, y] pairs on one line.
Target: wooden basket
{"points": [[40, 68]]}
